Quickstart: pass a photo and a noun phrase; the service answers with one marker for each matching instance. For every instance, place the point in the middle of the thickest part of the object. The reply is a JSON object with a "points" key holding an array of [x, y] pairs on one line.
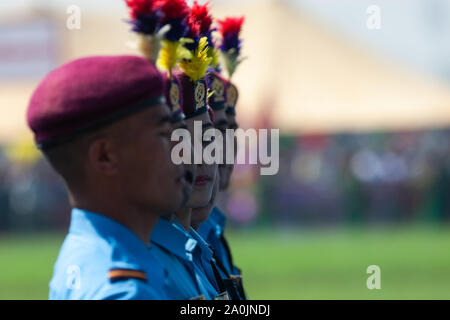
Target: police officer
{"points": [[218, 218], [209, 221], [171, 244], [195, 107], [226, 282], [103, 124], [212, 230]]}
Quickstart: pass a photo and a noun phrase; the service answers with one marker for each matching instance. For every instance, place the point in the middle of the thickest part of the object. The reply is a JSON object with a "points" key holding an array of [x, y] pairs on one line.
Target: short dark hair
{"points": [[67, 160]]}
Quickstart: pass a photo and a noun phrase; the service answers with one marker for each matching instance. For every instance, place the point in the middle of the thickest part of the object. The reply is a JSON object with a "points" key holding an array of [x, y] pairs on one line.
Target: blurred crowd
{"points": [[362, 179], [372, 178], [32, 195]]}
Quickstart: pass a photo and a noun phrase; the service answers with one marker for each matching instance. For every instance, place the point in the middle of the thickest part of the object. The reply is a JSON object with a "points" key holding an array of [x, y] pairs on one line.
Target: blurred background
{"points": [[363, 109]]}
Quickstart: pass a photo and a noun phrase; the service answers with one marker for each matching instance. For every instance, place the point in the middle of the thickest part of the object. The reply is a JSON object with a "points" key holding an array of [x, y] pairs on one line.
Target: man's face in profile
{"points": [[147, 171]]}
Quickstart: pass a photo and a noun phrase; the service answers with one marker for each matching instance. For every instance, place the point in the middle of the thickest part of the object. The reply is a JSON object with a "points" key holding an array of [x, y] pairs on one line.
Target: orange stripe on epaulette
{"points": [[116, 274], [202, 297], [222, 296]]}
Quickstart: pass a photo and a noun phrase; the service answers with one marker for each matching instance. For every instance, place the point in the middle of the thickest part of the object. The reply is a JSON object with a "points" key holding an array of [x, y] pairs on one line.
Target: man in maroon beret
{"points": [[104, 125]]}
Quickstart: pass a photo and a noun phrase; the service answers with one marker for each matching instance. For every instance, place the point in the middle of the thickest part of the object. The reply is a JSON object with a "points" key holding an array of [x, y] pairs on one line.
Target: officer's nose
{"points": [[190, 167], [190, 172]]}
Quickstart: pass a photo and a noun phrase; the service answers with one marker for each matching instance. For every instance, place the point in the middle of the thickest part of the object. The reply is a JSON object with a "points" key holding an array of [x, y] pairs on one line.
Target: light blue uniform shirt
{"points": [[96, 246], [205, 258], [195, 251], [176, 251], [212, 231]]}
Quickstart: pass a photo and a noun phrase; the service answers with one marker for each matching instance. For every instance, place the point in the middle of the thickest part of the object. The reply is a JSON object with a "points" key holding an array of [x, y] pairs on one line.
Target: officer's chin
{"points": [[198, 199], [187, 191], [224, 181]]}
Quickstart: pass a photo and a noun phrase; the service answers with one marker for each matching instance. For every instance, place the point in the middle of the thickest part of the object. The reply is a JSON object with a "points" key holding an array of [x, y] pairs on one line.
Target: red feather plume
{"points": [[194, 28], [200, 16], [141, 7], [230, 26], [173, 9]]}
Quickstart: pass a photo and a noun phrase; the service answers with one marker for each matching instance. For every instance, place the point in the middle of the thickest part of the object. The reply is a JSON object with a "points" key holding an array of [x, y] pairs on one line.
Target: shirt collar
{"points": [[218, 217], [207, 228], [168, 235], [204, 246], [214, 226], [128, 250]]}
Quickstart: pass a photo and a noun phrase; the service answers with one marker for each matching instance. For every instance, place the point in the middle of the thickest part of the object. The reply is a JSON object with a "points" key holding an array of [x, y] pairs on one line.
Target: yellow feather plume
{"points": [[196, 67], [214, 54], [172, 52]]}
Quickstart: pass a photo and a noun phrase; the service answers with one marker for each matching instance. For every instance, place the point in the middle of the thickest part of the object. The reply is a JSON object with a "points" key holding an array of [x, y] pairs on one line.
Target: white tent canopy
{"points": [[318, 81], [305, 76]]}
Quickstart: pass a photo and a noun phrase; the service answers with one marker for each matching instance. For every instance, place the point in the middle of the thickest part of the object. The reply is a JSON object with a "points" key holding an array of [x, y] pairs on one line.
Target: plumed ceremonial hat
{"points": [[174, 97], [232, 95], [218, 87], [194, 95]]}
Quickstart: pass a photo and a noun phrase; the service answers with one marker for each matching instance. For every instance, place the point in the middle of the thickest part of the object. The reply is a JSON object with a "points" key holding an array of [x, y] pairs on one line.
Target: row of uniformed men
{"points": [[142, 227]]}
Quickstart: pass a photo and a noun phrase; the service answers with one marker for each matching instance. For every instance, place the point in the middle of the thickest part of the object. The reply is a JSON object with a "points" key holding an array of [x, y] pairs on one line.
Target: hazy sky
{"points": [[413, 32]]}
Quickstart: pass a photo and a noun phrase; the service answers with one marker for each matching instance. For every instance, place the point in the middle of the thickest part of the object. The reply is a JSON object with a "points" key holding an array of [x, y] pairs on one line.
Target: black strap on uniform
{"points": [[240, 286], [232, 289], [219, 279], [219, 262], [225, 285]]}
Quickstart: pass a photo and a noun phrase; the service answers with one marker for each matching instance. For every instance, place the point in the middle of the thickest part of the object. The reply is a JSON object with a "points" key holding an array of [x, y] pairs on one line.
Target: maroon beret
{"points": [[91, 92], [195, 101], [174, 97], [232, 98], [218, 86]]}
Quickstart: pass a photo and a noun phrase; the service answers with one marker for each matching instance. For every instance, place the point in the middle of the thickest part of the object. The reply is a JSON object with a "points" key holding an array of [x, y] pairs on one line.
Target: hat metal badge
{"points": [[218, 89], [232, 96], [199, 95], [174, 96]]}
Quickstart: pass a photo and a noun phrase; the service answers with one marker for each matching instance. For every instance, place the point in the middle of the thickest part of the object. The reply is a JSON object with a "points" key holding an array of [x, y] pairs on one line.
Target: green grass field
{"points": [[415, 263]]}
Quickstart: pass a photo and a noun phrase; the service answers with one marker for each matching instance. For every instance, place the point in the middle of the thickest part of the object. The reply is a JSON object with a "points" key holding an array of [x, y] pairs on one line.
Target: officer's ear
{"points": [[103, 156]]}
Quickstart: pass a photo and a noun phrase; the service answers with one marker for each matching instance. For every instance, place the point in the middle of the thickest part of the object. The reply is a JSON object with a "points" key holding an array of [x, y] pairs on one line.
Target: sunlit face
{"points": [[200, 215], [190, 169], [204, 181], [147, 173]]}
